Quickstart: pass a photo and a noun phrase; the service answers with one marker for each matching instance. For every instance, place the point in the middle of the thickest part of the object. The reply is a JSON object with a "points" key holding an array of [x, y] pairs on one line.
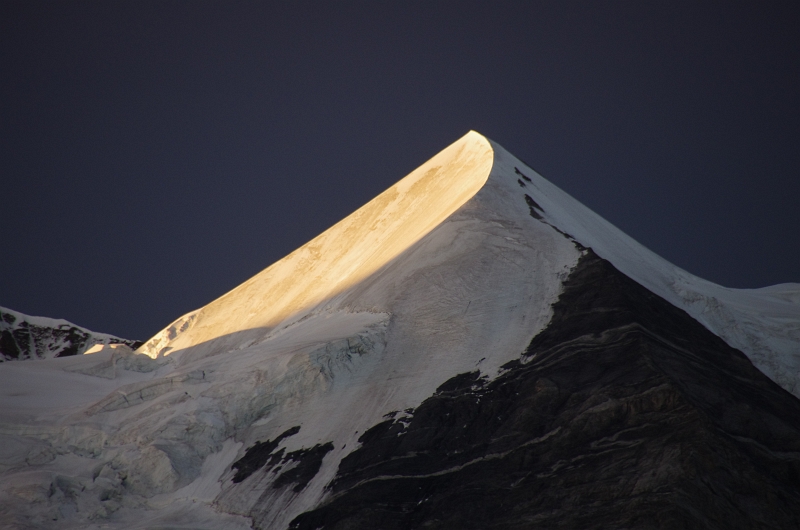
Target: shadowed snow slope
{"points": [[763, 323], [242, 412]]}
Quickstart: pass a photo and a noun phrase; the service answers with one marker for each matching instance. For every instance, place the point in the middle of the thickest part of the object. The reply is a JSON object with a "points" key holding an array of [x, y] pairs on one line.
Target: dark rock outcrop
{"points": [[260, 455], [303, 464], [623, 413]]}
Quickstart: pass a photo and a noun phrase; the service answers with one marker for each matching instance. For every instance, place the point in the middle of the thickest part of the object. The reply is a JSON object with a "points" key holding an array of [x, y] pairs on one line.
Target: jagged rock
{"points": [[27, 337]]}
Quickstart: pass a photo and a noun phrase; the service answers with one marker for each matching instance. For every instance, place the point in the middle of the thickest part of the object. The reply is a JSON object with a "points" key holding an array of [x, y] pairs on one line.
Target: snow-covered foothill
{"points": [[28, 337]]}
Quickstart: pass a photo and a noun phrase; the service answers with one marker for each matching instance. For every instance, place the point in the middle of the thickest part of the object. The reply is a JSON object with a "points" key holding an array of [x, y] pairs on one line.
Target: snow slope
{"points": [[452, 269], [763, 323]]}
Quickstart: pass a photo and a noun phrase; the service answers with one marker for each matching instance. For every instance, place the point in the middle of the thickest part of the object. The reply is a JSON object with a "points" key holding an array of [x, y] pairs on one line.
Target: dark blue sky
{"points": [[157, 154]]}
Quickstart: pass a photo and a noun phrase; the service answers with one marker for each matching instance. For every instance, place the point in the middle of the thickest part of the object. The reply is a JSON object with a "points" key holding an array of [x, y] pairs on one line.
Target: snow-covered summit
{"points": [[763, 323], [255, 401]]}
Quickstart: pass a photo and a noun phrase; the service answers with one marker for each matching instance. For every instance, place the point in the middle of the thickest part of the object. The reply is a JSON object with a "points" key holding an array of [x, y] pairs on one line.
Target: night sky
{"points": [[157, 154]]}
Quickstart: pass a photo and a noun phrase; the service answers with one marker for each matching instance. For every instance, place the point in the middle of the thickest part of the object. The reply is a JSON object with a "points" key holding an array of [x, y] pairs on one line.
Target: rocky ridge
{"points": [[26, 337]]}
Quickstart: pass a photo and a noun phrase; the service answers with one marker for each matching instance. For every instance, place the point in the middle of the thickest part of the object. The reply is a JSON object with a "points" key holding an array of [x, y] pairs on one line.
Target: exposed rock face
{"points": [[624, 413], [26, 337]]}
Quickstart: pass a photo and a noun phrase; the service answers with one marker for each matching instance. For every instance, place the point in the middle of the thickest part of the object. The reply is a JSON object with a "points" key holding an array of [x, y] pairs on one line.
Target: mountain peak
{"points": [[475, 176], [471, 335]]}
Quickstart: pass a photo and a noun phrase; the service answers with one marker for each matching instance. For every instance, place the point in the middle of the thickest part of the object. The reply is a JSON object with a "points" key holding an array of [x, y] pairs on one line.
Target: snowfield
{"points": [[452, 269]]}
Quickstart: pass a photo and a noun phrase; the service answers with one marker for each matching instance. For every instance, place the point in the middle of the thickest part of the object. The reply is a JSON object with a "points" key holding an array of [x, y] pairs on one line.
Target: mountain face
{"points": [[471, 349], [27, 337], [623, 413]]}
